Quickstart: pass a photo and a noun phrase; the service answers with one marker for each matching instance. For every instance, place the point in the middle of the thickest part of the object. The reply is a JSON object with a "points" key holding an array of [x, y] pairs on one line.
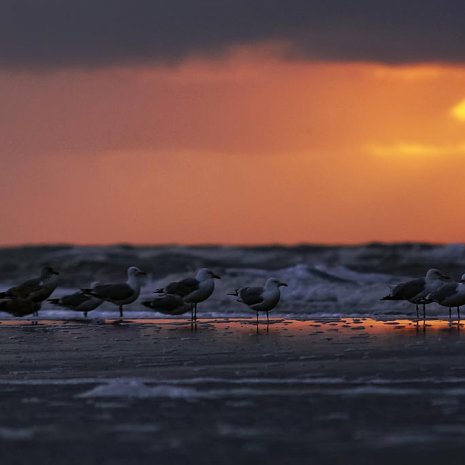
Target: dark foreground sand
{"points": [[345, 391]]}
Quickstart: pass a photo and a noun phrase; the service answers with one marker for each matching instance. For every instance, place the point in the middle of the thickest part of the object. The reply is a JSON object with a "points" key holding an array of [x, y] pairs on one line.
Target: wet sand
{"points": [[339, 391]]}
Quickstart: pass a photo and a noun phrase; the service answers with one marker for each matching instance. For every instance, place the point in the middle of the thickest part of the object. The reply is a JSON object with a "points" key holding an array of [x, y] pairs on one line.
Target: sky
{"points": [[231, 122]]}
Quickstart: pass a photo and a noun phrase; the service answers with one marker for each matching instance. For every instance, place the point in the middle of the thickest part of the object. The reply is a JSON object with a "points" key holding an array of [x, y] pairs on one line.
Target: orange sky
{"points": [[241, 150]]}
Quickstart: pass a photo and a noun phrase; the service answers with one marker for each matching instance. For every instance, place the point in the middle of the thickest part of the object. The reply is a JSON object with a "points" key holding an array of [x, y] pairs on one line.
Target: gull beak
{"points": [[283, 284], [55, 272], [141, 273], [215, 276]]}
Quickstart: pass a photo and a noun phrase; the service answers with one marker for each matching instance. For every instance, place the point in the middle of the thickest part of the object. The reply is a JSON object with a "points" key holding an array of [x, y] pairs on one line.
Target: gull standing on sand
{"points": [[120, 293], [261, 299], [450, 295], [36, 290], [19, 307], [169, 304], [193, 290], [417, 290], [79, 301]]}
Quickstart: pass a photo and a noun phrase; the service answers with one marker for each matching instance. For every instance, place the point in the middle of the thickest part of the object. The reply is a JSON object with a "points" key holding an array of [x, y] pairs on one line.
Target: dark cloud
{"points": [[66, 33]]}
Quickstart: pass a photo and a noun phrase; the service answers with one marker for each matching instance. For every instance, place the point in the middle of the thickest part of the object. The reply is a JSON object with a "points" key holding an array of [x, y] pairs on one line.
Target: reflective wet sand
{"points": [[343, 390]]}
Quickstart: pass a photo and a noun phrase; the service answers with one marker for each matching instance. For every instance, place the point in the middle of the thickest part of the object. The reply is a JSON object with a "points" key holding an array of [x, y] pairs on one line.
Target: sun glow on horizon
{"points": [[458, 111]]}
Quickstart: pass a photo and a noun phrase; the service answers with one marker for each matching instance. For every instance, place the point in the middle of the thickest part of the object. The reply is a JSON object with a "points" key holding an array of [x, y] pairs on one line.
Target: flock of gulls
{"points": [[176, 298], [183, 296], [436, 286]]}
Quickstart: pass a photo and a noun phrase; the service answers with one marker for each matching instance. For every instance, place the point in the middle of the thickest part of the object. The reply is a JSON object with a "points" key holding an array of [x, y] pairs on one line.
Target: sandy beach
{"points": [[328, 391]]}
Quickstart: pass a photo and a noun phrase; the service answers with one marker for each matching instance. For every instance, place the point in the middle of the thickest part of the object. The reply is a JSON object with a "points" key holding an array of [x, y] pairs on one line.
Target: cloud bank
{"points": [[48, 34]]}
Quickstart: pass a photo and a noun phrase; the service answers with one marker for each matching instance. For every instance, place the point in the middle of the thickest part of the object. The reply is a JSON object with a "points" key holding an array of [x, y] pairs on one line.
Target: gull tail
{"points": [[54, 301], [159, 291], [235, 293]]}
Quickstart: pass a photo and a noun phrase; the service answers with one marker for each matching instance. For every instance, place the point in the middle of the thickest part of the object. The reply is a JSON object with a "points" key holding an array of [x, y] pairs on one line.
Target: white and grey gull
{"points": [[120, 294], [261, 299]]}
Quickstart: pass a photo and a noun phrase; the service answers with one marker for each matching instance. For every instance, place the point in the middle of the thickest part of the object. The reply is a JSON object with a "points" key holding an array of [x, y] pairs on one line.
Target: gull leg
{"points": [[257, 323], [85, 314], [450, 313], [267, 322], [121, 312], [458, 313], [195, 312], [424, 312], [416, 307]]}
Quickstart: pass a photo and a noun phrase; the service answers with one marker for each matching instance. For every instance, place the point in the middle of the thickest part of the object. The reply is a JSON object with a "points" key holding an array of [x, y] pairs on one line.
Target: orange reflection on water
{"points": [[324, 326]]}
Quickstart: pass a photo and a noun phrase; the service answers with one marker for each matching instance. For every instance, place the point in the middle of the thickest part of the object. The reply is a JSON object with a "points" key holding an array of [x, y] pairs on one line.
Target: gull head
{"points": [[134, 272], [205, 273], [48, 271], [434, 273], [462, 279], [275, 282]]}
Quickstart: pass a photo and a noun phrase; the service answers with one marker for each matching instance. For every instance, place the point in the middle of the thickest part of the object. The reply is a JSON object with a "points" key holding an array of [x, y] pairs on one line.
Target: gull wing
{"points": [[73, 300], [183, 287], [119, 291], [251, 295], [25, 289], [448, 290], [409, 289]]}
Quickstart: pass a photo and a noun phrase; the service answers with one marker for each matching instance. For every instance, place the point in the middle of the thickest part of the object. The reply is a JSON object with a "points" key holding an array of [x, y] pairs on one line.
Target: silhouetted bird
{"points": [[417, 290], [79, 301], [19, 307], [450, 295], [36, 289], [169, 304]]}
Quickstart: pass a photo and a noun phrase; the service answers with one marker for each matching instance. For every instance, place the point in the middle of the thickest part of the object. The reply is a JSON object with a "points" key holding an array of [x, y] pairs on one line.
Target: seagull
{"points": [[417, 290], [193, 290], [120, 293], [169, 304], [261, 299], [36, 289], [19, 306], [79, 301], [450, 295]]}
